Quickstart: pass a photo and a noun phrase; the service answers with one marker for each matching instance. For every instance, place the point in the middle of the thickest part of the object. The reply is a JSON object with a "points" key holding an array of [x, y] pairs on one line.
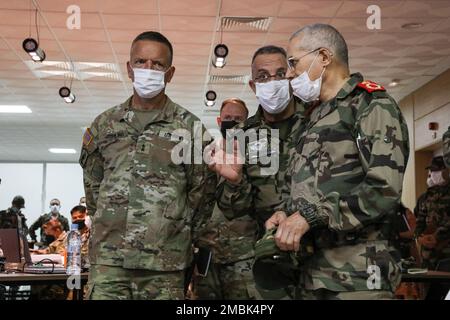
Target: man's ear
{"points": [[325, 57], [219, 121], [169, 74], [252, 86], [130, 71]]}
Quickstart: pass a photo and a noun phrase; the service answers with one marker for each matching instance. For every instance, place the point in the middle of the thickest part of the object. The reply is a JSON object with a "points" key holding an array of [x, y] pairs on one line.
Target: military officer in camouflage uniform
{"points": [[251, 192], [231, 242], [446, 147], [346, 172], [13, 217], [143, 185], [433, 215]]}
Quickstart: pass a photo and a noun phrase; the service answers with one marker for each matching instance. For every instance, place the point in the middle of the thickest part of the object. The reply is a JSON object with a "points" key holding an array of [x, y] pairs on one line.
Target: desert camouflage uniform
{"points": [[250, 203], [43, 219], [347, 175], [144, 206], [433, 218]]}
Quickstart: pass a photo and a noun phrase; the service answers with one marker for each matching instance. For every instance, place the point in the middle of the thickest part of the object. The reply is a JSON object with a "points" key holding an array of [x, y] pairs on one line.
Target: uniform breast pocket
{"points": [[156, 158]]}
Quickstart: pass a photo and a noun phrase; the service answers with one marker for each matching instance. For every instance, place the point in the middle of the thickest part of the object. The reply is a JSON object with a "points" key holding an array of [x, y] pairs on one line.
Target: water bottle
{"points": [[2, 258], [74, 251]]}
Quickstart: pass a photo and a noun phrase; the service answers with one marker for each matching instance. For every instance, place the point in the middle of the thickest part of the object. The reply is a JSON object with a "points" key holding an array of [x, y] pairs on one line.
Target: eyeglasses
{"points": [[266, 77], [292, 62]]}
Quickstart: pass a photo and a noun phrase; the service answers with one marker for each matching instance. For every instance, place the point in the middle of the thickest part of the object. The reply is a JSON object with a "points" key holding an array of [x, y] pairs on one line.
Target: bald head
{"points": [[319, 35]]}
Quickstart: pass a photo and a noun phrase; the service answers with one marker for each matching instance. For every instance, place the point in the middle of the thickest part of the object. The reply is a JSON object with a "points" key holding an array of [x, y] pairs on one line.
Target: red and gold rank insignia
{"points": [[371, 86]]}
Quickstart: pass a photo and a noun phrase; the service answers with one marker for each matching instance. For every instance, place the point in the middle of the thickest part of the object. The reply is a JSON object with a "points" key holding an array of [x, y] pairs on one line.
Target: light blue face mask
{"points": [[306, 89]]}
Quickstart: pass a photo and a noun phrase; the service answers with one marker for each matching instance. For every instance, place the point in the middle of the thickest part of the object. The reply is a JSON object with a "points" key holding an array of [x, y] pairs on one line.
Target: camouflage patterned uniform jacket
{"points": [[144, 206], [59, 246], [257, 196], [433, 211], [347, 175], [446, 147]]}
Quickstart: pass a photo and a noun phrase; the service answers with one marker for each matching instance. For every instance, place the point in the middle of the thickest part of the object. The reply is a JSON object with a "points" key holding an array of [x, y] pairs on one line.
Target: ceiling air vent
{"points": [[228, 79], [245, 23]]}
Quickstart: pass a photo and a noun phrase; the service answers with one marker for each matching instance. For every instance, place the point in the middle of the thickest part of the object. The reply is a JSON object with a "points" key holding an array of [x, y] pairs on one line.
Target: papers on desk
{"points": [[55, 258]]}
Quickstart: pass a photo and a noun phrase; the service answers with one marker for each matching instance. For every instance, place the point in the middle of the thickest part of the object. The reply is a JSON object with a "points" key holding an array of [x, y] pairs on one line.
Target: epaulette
{"points": [[370, 86]]}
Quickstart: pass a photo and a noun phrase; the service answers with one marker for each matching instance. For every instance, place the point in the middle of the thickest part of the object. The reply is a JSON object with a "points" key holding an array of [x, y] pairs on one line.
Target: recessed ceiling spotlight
{"points": [[394, 83], [412, 25]]}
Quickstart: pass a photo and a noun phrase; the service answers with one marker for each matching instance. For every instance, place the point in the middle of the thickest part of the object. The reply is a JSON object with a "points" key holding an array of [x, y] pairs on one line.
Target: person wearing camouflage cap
{"points": [[145, 200], [13, 216], [432, 212], [253, 188], [346, 173]]}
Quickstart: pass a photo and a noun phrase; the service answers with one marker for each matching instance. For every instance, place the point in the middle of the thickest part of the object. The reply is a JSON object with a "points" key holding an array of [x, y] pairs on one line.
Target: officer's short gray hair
{"points": [[321, 35]]}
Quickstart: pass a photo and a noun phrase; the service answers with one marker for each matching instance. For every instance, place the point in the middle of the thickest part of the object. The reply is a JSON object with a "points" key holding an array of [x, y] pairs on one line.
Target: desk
{"points": [[22, 279], [430, 276]]}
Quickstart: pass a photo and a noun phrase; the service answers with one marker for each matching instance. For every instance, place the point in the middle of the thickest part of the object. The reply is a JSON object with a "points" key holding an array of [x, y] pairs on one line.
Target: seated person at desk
{"points": [[54, 228]]}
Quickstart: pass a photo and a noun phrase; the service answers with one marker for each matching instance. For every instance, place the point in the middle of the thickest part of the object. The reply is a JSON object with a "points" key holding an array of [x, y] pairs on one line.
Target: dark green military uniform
{"points": [[433, 217], [13, 218], [43, 219], [256, 198], [145, 207], [347, 174]]}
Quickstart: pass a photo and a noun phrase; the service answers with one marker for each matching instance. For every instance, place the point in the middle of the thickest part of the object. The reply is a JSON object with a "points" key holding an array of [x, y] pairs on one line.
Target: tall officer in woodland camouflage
{"points": [[347, 173], [145, 207]]}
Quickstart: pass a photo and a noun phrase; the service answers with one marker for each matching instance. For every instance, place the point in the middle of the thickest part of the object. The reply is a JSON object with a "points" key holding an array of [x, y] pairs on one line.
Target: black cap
{"points": [[18, 202], [437, 164]]}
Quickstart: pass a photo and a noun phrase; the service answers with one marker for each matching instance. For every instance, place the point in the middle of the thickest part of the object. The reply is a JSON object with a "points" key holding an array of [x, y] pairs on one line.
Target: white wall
{"points": [[62, 180]]}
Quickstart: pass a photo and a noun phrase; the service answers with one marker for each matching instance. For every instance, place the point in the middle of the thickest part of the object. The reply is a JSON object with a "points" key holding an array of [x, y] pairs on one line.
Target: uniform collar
{"points": [[350, 85], [165, 114]]}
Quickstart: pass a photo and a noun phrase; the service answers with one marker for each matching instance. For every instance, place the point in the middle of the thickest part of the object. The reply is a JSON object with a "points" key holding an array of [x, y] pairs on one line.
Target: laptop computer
{"points": [[16, 251]]}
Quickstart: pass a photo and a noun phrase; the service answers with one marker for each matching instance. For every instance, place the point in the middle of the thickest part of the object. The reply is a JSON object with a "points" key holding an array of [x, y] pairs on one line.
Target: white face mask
{"points": [[55, 209], [435, 178], [305, 88], [274, 96], [148, 83]]}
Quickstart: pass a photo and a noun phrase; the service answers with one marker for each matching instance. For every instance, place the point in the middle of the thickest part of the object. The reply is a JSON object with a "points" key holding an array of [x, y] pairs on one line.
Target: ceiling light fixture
{"points": [[394, 83], [220, 53], [14, 109], [30, 45], [210, 98], [62, 151], [412, 25], [67, 95]]}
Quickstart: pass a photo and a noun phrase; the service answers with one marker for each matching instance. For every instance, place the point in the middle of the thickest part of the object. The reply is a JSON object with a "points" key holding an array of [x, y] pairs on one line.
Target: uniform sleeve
{"points": [[201, 186], [421, 213], [382, 137], [235, 200], [91, 161], [446, 147], [36, 225], [65, 224]]}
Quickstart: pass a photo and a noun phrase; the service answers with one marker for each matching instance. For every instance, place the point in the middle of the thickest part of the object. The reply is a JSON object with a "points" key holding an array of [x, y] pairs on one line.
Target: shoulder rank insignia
{"points": [[87, 137], [371, 86]]}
